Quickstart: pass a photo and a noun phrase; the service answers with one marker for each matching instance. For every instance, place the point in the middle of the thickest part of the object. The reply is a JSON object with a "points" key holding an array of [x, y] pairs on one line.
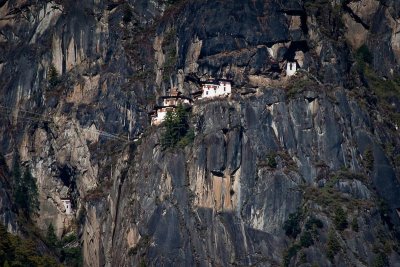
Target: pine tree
{"points": [[26, 194], [51, 236], [32, 192], [16, 172], [5, 245], [17, 184], [176, 126], [53, 76]]}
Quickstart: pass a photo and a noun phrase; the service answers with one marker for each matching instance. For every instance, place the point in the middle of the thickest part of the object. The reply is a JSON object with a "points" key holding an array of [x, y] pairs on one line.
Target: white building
{"points": [[213, 88], [169, 103], [67, 205], [291, 68], [158, 115]]}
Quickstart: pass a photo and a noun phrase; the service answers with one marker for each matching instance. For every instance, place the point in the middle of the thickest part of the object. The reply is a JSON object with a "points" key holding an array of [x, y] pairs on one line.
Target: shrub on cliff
{"points": [[292, 225], [333, 246], [340, 219]]}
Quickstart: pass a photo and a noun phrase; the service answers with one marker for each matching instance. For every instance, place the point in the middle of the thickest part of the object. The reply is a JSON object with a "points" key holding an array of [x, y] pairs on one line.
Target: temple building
{"points": [[67, 205], [291, 68], [169, 103], [214, 88]]}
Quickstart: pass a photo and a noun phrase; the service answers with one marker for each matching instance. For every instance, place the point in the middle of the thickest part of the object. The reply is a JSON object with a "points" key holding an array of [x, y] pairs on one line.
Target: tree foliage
{"points": [[128, 14], [292, 225], [363, 55], [271, 160], [51, 236], [340, 219], [25, 191], [176, 127], [333, 246], [15, 251], [53, 76], [306, 239]]}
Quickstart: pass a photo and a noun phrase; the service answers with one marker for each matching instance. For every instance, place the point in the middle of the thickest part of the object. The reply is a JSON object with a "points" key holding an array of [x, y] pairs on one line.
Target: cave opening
{"points": [[67, 175], [293, 48]]}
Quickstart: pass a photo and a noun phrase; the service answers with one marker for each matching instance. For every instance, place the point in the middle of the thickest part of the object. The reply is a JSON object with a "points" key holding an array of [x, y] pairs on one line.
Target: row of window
{"points": [[216, 90]]}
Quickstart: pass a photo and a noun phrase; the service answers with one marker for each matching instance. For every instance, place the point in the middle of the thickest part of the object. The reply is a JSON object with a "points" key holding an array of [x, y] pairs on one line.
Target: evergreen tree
{"points": [[53, 76], [5, 245], [176, 126], [32, 192], [16, 172], [51, 236], [26, 194]]}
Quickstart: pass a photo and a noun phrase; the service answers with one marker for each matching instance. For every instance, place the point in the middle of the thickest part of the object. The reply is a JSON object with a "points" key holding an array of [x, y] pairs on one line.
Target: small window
{"points": [[207, 93]]}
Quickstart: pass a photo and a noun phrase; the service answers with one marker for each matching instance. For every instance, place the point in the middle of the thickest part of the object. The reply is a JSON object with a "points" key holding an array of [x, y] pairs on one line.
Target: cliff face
{"points": [[317, 153]]}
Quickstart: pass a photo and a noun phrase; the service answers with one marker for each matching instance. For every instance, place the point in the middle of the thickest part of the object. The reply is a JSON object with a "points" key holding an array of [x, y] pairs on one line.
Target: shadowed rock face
{"points": [[181, 208], [277, 146]]}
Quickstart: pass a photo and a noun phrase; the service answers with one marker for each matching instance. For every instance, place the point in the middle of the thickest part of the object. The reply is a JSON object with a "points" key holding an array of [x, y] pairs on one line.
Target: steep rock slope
{"points": [[295, 152]]}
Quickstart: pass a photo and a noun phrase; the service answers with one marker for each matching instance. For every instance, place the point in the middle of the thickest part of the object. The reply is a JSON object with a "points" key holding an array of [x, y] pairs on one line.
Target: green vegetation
{"points": [[187, 139], [331, 198], [290, 253], [369, 158], [177, 130], [384, 88], [172, 2], [51, 237], [53, 76], [326, 196], [363, 56], [128, 15], [328, 17], [271, 160], [67, 249], [354, 224], [313, 222], [292, 229], [169, 48], [306, 239], [143, 75], [299, 85], [302, 257], [292, 224], [26, 196], [333, 246], [15, 251], [381, 260], [72, 256], [384, 211], [340, 219]]}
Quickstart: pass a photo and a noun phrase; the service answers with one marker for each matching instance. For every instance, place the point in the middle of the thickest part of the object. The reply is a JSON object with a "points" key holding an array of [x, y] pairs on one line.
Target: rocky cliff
{"points": [[290, 171]]}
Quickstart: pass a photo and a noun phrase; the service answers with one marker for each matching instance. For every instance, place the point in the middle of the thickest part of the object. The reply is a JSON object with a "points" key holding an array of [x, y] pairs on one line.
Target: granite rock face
{"points": [[318, 145]]}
